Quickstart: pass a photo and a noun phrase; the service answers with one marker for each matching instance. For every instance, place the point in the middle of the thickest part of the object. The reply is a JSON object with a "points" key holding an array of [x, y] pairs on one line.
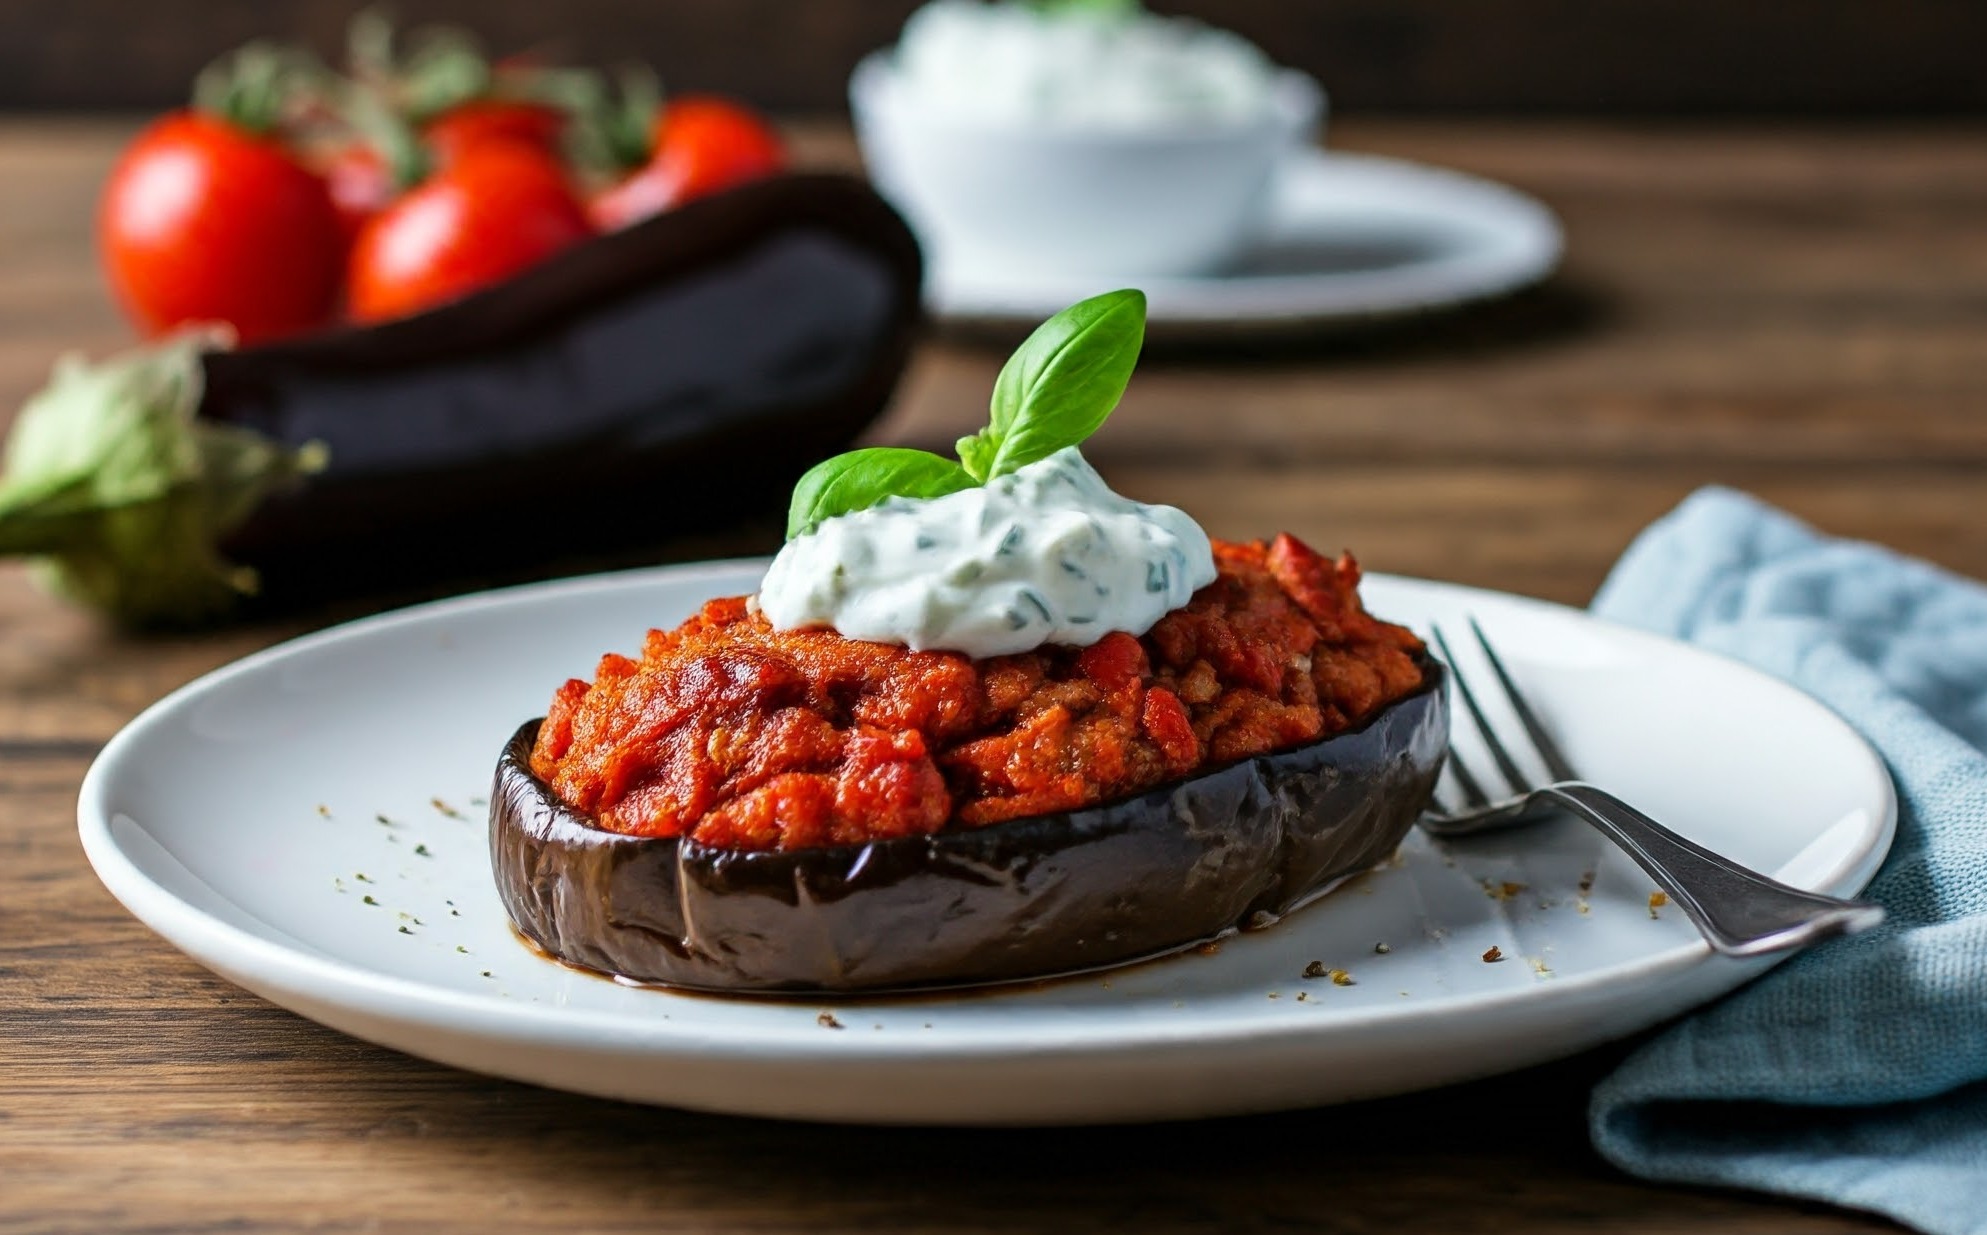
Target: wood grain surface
{"points": [[1799, 311]]}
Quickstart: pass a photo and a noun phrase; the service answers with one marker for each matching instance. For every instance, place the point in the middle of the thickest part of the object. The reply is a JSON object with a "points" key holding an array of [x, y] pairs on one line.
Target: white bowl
{"points": [[1122, 203]]}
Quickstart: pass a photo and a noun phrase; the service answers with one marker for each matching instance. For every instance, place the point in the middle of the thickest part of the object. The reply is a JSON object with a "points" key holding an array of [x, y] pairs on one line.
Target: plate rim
{"points": [[1292, 299], [342, 983]]}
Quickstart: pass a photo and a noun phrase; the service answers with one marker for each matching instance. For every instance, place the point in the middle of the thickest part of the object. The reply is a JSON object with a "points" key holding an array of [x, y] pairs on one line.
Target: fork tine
{"points": [[1505, 764], [1555, 762], [1474, 798]]}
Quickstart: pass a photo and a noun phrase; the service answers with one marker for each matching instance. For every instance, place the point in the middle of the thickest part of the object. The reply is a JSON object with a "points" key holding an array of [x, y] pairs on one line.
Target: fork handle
{"points": [[1741, 912]]}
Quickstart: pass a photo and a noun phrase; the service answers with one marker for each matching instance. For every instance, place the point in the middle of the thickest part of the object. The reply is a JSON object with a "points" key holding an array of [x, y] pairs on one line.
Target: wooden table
{"points": [[1802, 312]]}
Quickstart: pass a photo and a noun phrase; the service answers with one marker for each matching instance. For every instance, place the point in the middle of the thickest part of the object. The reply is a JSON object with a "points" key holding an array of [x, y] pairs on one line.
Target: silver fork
{"points": [[1741, 912]]}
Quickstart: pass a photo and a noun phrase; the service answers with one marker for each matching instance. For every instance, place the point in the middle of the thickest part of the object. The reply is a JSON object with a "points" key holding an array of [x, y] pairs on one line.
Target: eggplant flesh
{"points": [[1238, 846], [672, 377]]}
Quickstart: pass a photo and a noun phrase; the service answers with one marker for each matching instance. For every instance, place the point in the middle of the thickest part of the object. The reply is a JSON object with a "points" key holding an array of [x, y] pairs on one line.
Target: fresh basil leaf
{"points": [[1060, 384], [1053, 392], [862, 478]]}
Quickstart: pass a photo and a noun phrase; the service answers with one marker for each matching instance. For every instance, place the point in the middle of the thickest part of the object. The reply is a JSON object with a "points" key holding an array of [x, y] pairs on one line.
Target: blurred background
{"points": [[1817, 57], [1771, 278], [1775, 279]]}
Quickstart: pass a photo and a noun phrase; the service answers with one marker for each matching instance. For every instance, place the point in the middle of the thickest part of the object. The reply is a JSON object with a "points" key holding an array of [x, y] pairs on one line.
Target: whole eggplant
{"points": [[669, 377], [1236, 846]]}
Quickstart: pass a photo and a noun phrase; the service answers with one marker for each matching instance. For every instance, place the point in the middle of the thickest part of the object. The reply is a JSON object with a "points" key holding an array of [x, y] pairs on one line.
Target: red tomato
{"points": [[496, 210], [712, 144], [362, 184], [702, 144], [471, 124], [203, 221]]}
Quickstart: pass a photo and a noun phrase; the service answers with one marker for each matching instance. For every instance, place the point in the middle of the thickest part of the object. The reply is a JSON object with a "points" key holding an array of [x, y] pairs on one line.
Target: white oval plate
{"points": [[1350, 238], [307, 823]]}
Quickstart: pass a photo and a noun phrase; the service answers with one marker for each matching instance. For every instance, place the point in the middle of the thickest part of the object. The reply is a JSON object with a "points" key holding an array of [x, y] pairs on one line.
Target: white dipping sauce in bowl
{"points": [[1114, 145], [1088, 68]]}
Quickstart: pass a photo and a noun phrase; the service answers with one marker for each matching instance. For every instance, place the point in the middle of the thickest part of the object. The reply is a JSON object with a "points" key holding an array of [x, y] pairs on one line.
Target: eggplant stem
{"points": [[122, 493]]}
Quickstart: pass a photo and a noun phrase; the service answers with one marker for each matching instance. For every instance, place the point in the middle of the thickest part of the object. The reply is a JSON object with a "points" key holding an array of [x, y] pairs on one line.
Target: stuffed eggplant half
{"points": [[745, 810], [970, 731]]}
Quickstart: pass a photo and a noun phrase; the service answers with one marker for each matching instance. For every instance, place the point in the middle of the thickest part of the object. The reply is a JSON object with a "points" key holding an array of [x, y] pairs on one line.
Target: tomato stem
{"points": [[613, 129], [258, 86], [440, 67], [387, 132], [398, 86]]}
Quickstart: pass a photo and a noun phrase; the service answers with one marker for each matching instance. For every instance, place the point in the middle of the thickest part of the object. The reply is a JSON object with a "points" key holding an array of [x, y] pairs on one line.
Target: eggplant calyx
{"points": [[121, 494]]}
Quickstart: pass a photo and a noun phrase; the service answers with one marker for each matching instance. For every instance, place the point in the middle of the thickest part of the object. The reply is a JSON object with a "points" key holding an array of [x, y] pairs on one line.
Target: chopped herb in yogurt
{"points": [[1017, 543]]}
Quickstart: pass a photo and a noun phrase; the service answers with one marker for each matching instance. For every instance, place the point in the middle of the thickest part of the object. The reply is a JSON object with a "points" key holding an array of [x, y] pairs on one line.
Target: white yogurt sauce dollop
{"points": [[1014, 64], [1045, 554]]}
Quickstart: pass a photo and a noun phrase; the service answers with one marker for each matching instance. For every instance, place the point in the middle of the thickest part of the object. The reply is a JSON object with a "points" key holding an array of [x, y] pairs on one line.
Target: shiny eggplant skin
{"points": [[671, 377], [1238, 846]]}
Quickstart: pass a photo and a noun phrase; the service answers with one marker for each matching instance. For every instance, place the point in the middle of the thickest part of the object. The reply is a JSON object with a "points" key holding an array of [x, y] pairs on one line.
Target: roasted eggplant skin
{"points": [[1237, 846], [671, 377]]}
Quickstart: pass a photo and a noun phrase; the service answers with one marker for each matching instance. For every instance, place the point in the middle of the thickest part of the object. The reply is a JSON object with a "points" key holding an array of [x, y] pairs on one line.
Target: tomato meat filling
{"points": [[744, 737]]}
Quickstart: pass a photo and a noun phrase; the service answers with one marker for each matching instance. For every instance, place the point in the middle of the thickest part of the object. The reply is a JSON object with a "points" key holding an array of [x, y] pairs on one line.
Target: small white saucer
{"points": [[1351, 238]]}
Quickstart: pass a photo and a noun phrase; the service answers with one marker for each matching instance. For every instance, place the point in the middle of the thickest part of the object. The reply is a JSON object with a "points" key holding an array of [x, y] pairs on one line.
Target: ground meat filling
{"points": [[747, 738]]}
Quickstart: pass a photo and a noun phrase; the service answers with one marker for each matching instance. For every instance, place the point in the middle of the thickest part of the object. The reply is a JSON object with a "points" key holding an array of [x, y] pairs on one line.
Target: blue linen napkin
{"points": [[1855, 1073]]}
